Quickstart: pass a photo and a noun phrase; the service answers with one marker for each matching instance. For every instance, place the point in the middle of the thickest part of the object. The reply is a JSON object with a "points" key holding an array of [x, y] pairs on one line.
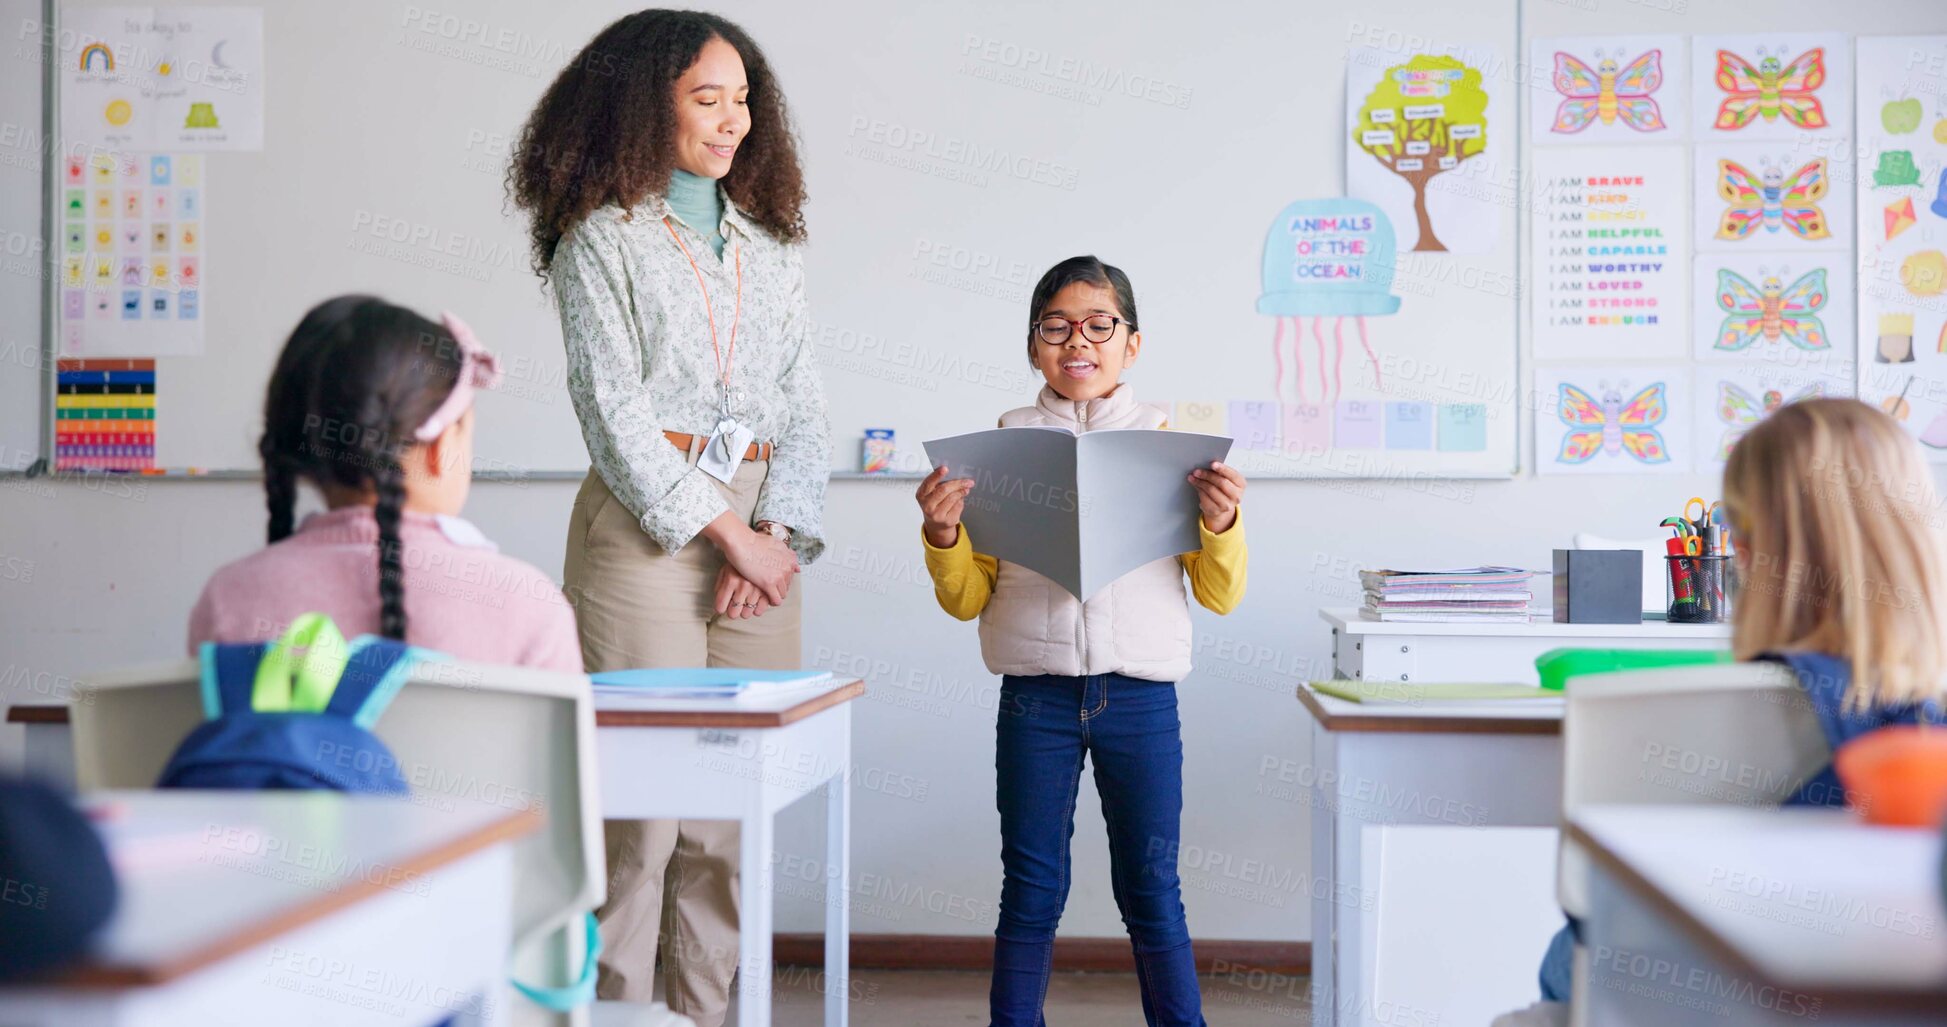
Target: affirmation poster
{"points": [[1783, 197], [132, 254], [1425, 139], [162, 78], [1613, 419], [1902, 208], [1781, 309], [1771, 86], [1609, 244], [1609, 90]]}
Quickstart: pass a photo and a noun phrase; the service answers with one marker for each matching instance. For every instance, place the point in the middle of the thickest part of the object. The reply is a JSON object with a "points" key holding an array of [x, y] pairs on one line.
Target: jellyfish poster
{"points": [[1328, 266], [1609, 90]]}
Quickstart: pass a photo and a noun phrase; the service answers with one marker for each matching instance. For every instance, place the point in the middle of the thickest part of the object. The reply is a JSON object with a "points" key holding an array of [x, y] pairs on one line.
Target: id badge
{"points": [[724, 453]]}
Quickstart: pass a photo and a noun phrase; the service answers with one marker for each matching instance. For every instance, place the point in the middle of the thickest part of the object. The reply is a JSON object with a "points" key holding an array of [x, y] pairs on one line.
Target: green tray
{"points": [[1556, 666]]}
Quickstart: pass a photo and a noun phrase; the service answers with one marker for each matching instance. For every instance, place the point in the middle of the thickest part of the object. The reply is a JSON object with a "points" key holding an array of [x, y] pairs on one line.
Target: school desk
{"points": [[1729, 915], [1390, 651], [1432, 854], [294, 909], [724, 759]]}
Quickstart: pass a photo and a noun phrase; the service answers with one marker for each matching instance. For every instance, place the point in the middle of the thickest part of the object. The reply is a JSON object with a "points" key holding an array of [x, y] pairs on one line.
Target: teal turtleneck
{"points": [[695, 200]]}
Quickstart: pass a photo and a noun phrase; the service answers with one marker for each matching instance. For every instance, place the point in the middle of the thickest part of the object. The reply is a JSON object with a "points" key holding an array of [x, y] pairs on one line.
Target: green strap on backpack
{"points": [[288, 683]]}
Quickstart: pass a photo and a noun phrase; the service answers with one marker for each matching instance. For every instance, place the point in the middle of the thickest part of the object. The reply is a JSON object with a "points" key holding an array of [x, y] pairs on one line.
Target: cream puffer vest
{"points": [[1138, 626]]}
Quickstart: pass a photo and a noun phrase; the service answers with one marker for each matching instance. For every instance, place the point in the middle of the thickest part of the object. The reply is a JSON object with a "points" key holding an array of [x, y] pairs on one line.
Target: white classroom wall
{"points": [[97, 576]]}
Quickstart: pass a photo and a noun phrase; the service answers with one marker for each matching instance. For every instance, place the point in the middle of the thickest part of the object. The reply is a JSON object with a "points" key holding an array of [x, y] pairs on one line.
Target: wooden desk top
{"points": [[1812, 901], [207, 875], [1485, 717], [786, 709]]}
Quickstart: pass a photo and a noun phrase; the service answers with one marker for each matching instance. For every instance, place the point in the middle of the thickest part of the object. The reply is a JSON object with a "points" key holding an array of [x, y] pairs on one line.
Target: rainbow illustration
{"points": [[94, 50]]}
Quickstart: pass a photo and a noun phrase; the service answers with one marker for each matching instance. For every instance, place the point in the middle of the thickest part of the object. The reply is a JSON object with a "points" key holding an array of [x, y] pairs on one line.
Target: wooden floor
{"points": [[924, 998]]}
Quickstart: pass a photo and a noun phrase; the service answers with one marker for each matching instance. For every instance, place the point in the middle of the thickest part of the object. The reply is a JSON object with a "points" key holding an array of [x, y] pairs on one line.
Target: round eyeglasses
{"points": [[1096, 328]]}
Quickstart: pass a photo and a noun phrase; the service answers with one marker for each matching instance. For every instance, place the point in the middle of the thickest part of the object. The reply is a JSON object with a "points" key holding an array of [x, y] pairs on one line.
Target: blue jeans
{"points": [[1129, 729]]}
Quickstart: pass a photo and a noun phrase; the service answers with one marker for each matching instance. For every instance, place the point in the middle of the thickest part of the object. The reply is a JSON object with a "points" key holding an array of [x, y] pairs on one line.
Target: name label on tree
{"points": [[1464, 132], [1426, 111], [1409, 164], [1377, 137]]}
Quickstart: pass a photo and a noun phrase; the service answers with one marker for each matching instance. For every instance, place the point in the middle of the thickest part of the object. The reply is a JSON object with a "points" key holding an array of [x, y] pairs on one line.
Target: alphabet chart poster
{"points": [[1609, 241], [1609, 90], [132, 255], [1902, 209]]}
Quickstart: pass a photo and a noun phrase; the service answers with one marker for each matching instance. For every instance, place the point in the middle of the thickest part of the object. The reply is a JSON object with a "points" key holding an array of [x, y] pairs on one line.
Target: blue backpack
{"points": [[278, 719]]}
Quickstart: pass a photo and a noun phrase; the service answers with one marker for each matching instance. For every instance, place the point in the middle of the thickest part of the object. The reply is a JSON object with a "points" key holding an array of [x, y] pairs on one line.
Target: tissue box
{"points": [[1598, 586]]}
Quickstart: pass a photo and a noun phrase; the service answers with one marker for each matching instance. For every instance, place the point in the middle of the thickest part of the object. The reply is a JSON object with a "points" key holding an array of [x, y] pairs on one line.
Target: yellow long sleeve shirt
{"points": [[963, 578]]}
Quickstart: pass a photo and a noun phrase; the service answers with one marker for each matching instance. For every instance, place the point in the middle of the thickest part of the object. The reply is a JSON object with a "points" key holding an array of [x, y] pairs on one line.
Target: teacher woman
{"points": [[665, 199]]}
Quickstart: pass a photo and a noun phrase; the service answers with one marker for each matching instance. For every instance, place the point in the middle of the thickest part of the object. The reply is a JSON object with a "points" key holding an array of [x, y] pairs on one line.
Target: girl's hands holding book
{"points": [[942, 502], [1220, 490]]}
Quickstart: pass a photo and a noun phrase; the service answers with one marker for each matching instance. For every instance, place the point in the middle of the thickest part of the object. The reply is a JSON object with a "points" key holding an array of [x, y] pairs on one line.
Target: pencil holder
{"points": [[1698, 589]]}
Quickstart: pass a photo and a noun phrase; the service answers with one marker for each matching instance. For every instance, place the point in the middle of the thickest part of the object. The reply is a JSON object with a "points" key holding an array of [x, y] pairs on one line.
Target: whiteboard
{"points": [[953, 152], [23, 284]]}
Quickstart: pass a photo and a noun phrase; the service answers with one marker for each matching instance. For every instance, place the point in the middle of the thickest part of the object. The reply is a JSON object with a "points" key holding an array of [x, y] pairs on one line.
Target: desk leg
{"points": [[1325, 910], [754, 945], [838, 893], [48, 754]]}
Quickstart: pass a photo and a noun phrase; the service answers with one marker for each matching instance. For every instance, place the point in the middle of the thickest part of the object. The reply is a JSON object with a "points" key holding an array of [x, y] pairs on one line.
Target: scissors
{"points": [[1703, 510]]}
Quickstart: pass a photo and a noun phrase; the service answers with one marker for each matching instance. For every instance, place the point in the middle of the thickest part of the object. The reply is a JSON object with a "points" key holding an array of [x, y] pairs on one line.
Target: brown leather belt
{"points": [[684, 440]]}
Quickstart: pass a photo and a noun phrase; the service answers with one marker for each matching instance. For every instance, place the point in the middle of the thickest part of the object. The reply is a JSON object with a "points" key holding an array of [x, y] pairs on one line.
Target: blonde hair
{"points": [[1834, 512]]}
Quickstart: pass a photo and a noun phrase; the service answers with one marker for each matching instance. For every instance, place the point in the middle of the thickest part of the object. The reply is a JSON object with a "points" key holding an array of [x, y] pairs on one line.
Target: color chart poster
{"points": [[1902, 209], [162, 78], [132, 254], [1609, 242], [1609, 90]]}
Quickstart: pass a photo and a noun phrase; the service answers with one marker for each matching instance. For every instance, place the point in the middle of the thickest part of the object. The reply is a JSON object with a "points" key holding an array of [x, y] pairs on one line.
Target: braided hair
{"points": [[356, 378]]}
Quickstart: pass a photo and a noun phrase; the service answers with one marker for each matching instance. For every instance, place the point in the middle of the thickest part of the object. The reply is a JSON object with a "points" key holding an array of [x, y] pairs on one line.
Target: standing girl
{"points": [[665, 196], [372, 405], [1092, 678]]}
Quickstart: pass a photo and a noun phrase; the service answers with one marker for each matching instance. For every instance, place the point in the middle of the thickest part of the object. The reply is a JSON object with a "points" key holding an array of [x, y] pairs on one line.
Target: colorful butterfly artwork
{"points": [[1772, 200], [1771, 89], [1605, 94], [1612, 426], [1740, 413], [1771, 310]]}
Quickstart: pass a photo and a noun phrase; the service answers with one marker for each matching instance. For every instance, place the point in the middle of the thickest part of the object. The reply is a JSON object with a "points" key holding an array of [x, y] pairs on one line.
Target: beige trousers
{"points": [[672, 885]]}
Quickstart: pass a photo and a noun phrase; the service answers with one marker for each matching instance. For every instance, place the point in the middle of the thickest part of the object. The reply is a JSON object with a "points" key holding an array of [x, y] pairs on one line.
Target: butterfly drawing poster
{"points": [[1732, 400], [1786, 309], [1614, 419], [1609, 90], [1784, 196], [1783, 85]]}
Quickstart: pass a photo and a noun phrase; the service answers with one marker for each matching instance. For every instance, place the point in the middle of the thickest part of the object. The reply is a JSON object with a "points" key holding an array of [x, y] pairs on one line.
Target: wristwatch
{"points": [[775, 530]]}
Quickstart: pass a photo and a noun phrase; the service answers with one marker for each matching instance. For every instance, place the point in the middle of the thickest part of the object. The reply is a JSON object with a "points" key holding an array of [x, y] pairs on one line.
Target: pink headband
{"points": [[478, 370]]}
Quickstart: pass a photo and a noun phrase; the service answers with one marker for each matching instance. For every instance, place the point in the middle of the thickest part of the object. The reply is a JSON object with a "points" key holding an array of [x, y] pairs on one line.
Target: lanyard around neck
{"points": [[724, 360]]}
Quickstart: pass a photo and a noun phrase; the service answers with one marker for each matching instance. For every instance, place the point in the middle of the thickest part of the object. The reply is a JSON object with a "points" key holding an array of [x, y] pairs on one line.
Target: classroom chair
{"points": [[462, 732], [1736, 733]]}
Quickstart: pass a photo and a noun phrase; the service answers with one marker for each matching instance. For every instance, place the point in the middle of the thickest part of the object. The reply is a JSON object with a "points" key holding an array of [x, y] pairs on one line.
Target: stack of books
{"points": [[1470, 595], [622, 687]]}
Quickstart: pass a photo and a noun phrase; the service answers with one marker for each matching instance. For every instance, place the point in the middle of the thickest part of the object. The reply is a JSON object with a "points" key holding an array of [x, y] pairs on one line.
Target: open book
{"points": [[1080, 510]]}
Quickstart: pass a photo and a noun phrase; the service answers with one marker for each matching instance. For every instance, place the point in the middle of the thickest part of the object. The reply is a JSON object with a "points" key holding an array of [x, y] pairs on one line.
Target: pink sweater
{"points": [[463, 597]]}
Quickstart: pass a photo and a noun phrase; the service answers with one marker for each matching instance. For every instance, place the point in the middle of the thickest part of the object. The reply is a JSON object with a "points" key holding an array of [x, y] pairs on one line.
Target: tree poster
{"points": [[1426, 145]]}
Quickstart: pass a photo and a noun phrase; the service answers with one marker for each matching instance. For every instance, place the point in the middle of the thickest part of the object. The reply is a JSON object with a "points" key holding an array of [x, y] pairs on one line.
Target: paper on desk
{"points": [[1080, 510]]}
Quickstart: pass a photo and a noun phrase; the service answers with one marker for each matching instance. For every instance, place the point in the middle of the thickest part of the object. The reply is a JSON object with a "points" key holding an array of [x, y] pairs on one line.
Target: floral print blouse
{"points": [[640, 362]]}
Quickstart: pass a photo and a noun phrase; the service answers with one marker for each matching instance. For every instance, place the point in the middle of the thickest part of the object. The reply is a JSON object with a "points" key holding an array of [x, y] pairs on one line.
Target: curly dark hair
{"points": [[603, 131]]}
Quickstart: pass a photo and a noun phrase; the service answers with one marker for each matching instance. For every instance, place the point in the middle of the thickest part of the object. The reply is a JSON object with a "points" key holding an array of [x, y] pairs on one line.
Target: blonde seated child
{"points": [[1839, 567], [1092, 678]]}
